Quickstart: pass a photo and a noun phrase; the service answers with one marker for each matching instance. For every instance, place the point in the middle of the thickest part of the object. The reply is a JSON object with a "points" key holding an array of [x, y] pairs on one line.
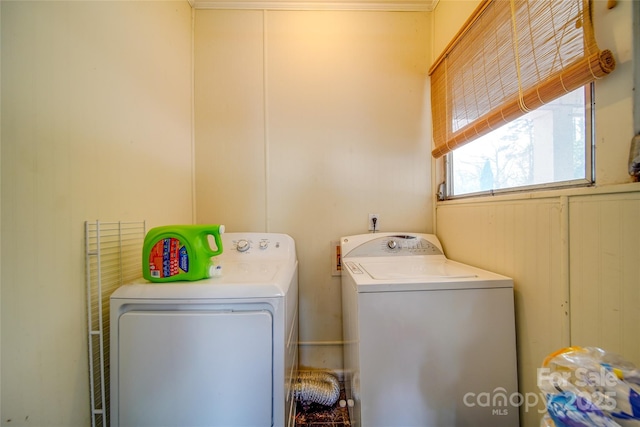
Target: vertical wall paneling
{"points": [[96, 123], [306, 121], [575, 265], [345, 109], [564, 269], [605, 272], [230, 119]]}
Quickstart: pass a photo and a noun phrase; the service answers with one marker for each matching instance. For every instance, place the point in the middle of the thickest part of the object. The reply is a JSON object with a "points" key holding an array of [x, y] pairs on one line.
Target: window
{"points": [[548, 147], [511, 96]]}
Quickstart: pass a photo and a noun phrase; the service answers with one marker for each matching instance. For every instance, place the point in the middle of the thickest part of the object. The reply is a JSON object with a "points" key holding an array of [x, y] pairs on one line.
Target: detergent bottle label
{"points": [[168, 257]]}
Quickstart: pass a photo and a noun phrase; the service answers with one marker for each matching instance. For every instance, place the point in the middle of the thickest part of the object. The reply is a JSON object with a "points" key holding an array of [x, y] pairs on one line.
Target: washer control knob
{"points": [[243, 245], [392, 244], [264, 244]]}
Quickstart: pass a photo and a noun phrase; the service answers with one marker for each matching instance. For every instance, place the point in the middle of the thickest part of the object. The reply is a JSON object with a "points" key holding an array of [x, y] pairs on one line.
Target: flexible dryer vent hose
{"points": [[316, 387]]}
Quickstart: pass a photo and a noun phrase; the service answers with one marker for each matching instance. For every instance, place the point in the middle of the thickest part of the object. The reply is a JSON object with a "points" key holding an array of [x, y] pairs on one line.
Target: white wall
{"points": [[96, 124], [570, 252], [305, 123]]}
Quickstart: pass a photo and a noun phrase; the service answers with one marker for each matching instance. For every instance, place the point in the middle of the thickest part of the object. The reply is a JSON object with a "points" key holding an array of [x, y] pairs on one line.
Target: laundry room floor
{"points": [[317, 415]]}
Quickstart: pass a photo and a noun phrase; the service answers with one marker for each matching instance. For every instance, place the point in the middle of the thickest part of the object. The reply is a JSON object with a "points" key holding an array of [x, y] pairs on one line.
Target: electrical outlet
{"points": [[336, 258], [374, 223]]}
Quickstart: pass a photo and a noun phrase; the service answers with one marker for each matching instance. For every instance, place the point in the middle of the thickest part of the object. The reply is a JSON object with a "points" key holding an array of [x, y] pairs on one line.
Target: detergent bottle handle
{"points": [[216, 233]]}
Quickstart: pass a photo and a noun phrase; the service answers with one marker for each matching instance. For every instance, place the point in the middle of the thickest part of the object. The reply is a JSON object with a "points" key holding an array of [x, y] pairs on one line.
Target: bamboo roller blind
{"points": [[511, 57]]}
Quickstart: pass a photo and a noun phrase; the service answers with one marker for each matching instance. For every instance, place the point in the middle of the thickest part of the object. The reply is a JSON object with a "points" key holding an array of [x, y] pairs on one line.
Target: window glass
{"points": [[549, 146]]}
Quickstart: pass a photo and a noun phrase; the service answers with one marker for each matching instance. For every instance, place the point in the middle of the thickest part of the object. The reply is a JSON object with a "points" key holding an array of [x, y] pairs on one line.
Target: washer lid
{"points": [[416, 269], [418, 273]]}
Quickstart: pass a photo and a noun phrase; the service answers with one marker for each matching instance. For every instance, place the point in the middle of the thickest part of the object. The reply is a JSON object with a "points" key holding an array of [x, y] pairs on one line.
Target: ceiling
{"points": [[381, 5]]}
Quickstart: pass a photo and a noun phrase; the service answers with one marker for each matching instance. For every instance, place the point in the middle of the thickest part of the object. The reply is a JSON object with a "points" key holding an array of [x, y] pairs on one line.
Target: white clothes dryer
{"points": [[429, 342], [215, 352]]}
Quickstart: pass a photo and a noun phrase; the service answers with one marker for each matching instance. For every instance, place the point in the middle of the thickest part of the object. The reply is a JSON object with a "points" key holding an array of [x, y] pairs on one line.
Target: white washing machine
{"points": [[215, 352], [429, 342]]}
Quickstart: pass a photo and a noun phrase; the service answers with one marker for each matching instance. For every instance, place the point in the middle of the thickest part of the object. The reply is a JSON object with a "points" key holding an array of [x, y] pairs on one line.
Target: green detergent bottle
{"points": [[180, 252]]}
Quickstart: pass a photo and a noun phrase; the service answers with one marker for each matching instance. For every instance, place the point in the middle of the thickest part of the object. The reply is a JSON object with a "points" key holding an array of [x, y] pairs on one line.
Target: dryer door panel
{"points": [[193, 368]]}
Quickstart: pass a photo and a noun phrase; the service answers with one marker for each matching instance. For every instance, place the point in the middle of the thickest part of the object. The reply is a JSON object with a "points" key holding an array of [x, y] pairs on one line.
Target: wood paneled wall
{"points": [[575, 264]]}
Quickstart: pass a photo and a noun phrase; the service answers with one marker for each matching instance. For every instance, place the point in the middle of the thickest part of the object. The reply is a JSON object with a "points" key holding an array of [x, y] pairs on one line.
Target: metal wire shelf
{"points": [[112, 257]]}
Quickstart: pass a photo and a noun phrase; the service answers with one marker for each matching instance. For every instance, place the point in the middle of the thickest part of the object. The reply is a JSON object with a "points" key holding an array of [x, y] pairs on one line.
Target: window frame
{"points": [[448, 186]]}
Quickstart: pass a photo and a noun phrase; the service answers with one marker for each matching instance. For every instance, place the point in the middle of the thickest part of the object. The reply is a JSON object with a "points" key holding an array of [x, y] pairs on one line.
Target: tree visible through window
{"points": [[546, 146]]}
